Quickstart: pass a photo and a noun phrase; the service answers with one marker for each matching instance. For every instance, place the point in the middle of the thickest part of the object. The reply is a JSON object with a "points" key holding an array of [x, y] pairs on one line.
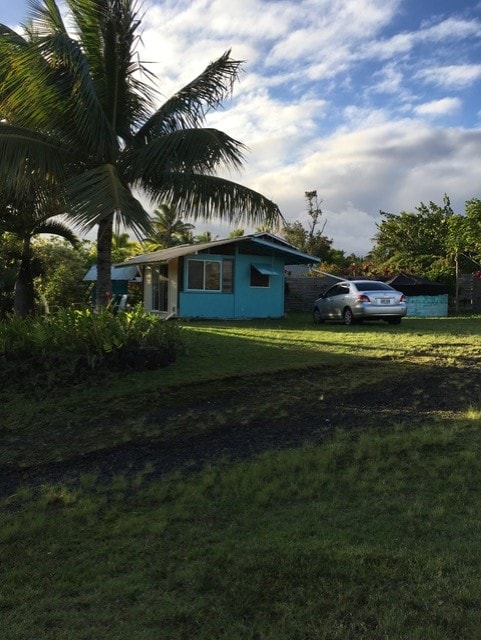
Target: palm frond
{"points": [[193, 150], [58, 228], [188, 107], [100, 192], [46, 17], [30, 158], [107, 30], [206, 197]]}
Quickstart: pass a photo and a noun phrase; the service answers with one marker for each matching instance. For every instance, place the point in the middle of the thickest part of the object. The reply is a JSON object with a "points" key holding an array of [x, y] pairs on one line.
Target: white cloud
{"points": [[454, 76], [452, 28], [440, 107]]}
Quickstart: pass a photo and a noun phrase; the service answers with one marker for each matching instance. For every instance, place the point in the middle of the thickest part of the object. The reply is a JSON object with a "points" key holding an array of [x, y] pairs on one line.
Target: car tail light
{"points": [[362, 298], [403, 298]]}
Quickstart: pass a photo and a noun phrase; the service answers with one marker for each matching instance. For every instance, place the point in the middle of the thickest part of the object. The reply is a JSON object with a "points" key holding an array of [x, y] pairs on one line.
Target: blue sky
{"points": [[373, 103]]}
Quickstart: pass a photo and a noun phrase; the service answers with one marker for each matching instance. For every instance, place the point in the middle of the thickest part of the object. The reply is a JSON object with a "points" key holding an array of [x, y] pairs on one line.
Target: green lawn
{"points": [[372, 533]]}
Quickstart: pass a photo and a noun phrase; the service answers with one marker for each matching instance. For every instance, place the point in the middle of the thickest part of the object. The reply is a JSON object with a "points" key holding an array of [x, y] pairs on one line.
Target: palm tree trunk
{"points": [[104, 262], [24, 298]]}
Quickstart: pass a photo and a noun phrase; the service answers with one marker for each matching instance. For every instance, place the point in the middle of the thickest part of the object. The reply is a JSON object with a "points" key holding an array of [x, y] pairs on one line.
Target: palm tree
{"points": [[206, 236], [24, 219], [74, 110], [168, 229]]}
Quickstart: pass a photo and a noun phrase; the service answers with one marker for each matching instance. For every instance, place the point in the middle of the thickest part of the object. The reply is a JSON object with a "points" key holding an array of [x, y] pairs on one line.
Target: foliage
{"points": [[62, 268], [313, 241], [123, 247], [169, 229], [236, 233], [71, 342], [206, 236], [9, 252], [25, 216], [429, 242], [77, 109], [472, 230]]}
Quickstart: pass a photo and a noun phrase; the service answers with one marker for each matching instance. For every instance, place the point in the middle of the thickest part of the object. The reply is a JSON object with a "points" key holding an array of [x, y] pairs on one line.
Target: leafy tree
{"points": [[61, 270], [266, 228], [9, 248], [25, 217], [206, 236], [425, 243], [473, 229], [310, 240], [169, 229], [75, 109], [123, 247], [236, 233]]}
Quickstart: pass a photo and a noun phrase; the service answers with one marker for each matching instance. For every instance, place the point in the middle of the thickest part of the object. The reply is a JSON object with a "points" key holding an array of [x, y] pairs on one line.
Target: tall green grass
{"points": [[372, 535], [363, 538]]}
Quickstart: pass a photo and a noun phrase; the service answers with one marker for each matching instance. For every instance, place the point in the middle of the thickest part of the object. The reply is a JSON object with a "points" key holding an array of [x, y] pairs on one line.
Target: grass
{"points": [[371, 534]]}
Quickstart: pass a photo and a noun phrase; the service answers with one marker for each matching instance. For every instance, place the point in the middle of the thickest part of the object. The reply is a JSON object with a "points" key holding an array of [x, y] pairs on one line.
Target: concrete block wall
{"points": [[427, 306]]}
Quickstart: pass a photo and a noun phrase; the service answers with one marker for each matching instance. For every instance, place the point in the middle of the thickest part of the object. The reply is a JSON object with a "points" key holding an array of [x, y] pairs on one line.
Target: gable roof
{"points": [[417, 285], [257, 240]]}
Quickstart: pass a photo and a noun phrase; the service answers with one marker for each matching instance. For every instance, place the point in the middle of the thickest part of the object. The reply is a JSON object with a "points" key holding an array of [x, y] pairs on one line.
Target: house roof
{"points": [[116, 273], [417, 285], [257, 240]]}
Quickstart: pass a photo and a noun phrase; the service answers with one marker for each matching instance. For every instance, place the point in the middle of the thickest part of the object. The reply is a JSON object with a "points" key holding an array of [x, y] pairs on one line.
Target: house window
{"points": [[204, 275], [160, 287], [227, 276], [258, 279]]}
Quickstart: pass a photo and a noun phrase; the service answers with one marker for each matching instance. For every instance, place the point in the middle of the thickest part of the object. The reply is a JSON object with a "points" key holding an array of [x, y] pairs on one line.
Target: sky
{"points": [[375, 104]]}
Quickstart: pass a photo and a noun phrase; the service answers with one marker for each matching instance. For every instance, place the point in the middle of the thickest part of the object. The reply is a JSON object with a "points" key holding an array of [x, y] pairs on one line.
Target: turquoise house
{"points": [[231, 278]]}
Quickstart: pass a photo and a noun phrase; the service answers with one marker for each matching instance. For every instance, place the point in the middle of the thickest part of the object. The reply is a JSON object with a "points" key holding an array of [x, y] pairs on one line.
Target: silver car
{"points": [[353, 301]]}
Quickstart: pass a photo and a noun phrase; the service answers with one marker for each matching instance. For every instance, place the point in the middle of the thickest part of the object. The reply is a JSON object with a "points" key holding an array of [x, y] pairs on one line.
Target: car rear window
{"points": [[372, 286]]}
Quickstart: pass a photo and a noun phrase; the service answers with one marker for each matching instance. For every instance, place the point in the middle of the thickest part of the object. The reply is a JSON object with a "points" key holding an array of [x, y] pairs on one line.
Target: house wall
{"points": [[245, 301]]}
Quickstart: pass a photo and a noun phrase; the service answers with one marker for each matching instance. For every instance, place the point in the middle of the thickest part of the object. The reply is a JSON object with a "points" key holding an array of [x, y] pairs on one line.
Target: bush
{"points": [[71, 343]]}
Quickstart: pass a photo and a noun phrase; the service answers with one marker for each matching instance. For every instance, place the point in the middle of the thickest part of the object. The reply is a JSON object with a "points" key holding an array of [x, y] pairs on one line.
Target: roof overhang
{"points": [[267, 241]]}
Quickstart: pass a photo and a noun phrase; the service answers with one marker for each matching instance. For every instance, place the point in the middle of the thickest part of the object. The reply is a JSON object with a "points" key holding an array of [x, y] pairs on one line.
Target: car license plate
{"points": [[385, 301]]}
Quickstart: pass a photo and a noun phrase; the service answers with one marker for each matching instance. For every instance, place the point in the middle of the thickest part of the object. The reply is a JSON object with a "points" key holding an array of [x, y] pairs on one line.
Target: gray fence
{"points": [[301, 292], [470, 292]]}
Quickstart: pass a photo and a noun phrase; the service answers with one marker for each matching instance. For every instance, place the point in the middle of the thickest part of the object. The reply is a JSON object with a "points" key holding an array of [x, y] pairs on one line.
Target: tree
{"points": [[25, 218], [206, 236], [169, 229], [8, 270], [75, 108], [61, 269], [473, 229], [309, 240], [425, 243], [236, 233]]}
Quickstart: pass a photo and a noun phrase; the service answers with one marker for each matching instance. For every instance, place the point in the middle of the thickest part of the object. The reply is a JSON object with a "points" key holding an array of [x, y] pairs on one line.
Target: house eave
{"points": [[274, 244]]}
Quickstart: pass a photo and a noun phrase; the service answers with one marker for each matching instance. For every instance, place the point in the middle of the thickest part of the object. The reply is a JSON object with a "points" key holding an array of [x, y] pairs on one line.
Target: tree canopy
{"points": [[75, 111], [432, 241]]}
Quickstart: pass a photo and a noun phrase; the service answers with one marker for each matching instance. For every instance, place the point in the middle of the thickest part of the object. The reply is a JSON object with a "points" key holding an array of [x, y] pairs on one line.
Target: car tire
{"points": [[394, 320], [348, 317], [316, 316]]}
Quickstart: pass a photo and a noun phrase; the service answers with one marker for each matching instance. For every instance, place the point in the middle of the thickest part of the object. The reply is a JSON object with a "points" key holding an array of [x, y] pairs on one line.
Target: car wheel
{"points": [[394, 320], [348, 317], [316, 316]]}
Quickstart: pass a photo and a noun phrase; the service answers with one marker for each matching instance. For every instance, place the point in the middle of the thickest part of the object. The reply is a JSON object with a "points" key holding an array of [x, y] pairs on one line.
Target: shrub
{"points": [[72, 342]]}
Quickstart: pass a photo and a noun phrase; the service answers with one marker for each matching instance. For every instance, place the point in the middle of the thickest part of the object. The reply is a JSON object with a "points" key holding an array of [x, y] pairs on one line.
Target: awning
{"points": [[266, 270]]}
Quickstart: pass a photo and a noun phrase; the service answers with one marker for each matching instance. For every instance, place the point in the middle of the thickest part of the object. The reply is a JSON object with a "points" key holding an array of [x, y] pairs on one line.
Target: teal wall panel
{"points": [[245, 301]]}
